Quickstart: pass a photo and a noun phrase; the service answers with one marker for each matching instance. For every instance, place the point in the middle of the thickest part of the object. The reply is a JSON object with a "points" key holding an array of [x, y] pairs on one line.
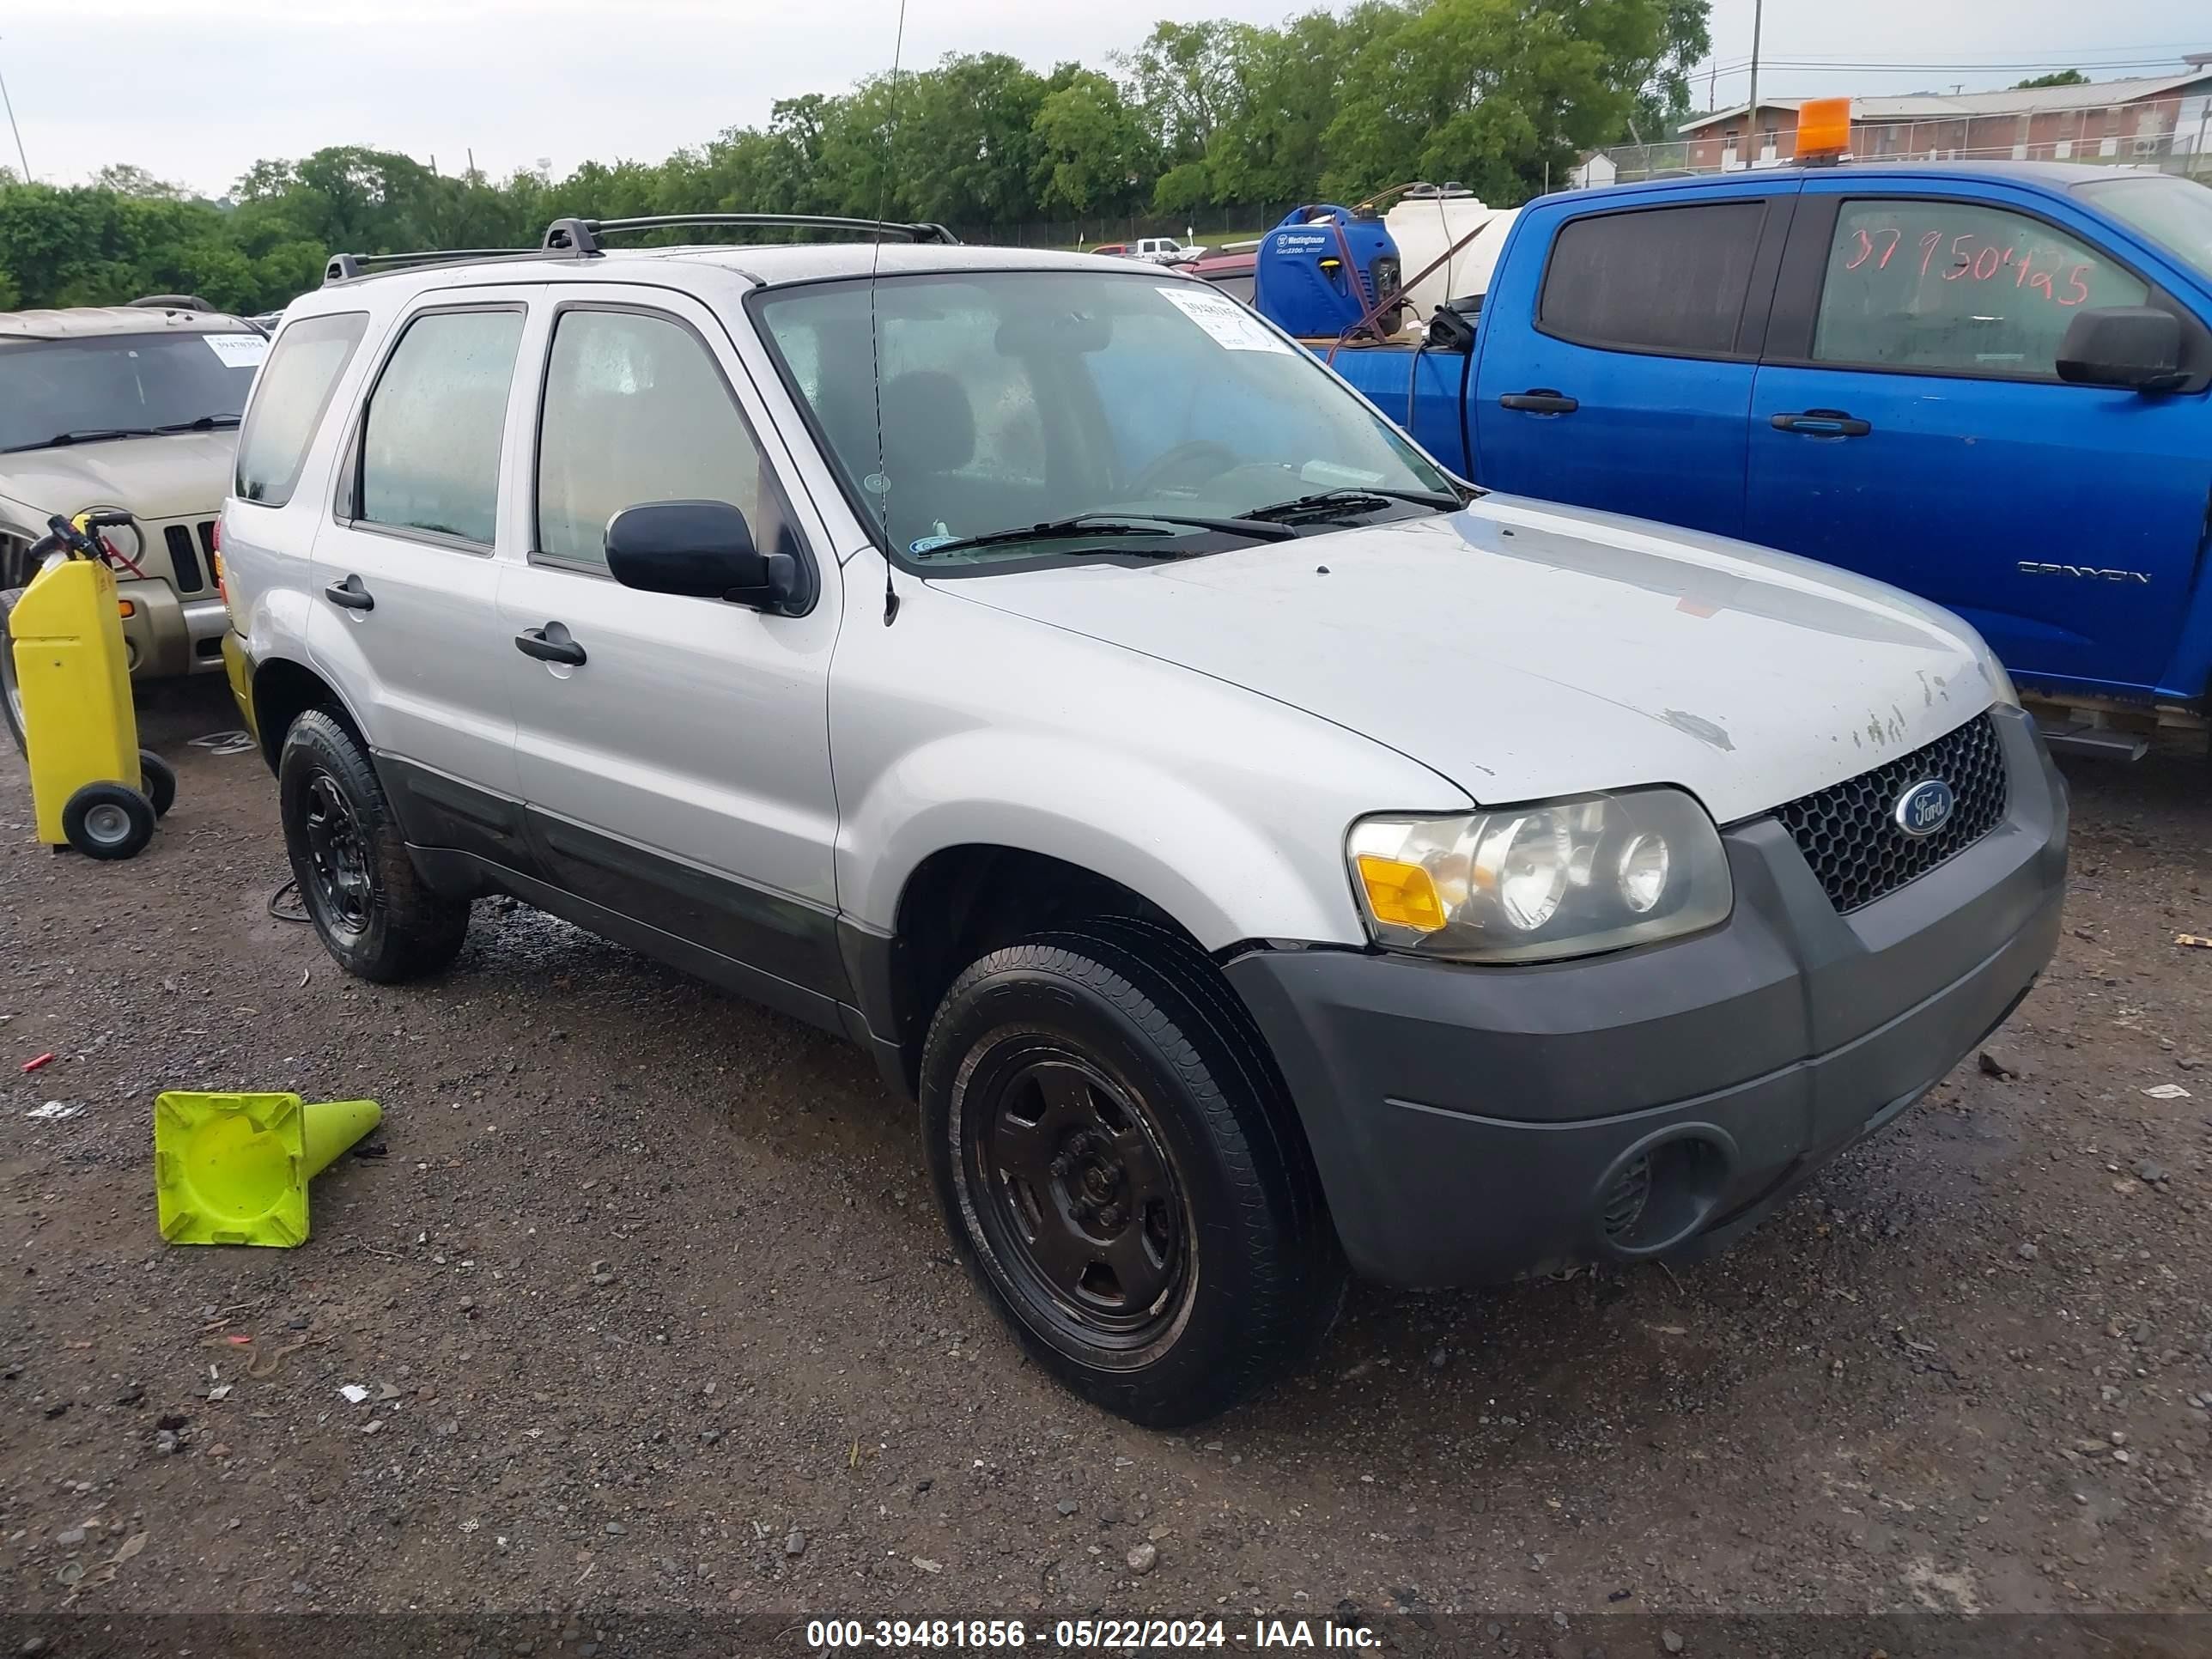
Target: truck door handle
{"points": [[551, 643], [1823, 423], [1539, 400], [350, 595]]}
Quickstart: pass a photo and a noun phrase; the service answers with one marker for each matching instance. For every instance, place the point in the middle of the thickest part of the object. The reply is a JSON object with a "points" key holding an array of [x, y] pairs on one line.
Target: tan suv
{"points": [[135, 407]]}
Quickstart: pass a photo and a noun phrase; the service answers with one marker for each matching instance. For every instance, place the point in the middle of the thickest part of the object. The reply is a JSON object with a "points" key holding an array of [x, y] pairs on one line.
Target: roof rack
{"points": [[581, 236], [169, 302], [344, 267], [580, 239]]}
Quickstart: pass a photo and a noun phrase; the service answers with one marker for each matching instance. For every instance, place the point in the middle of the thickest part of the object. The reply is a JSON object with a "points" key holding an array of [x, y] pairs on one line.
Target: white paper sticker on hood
{"points": [[239, 350]]}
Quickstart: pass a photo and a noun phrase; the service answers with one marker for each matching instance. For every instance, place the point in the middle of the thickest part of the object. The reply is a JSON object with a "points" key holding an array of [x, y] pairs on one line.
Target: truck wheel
{"points": [[159, 780], [1102, 1138], [107, 821], [376, 916], [11, 691]]}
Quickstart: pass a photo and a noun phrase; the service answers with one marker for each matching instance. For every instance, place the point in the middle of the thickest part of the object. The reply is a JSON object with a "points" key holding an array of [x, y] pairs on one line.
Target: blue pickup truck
{"points": [[1983, 382]]}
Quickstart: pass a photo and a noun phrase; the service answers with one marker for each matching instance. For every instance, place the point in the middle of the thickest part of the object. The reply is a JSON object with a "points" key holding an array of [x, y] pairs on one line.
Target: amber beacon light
{"points": [[1824, 130]]}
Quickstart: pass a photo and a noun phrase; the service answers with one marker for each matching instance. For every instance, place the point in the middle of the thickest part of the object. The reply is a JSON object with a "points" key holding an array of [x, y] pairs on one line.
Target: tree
{"points": [[1268, 148], [1500, 94], [1185, 75], [127, 180], [2072, 77], [1183, 189], [1091, 148], [971, 123]]}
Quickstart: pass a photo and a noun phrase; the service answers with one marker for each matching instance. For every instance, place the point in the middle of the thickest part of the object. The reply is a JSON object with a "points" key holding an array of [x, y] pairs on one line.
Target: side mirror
{"points": [[2137, 347], [701, 550]]}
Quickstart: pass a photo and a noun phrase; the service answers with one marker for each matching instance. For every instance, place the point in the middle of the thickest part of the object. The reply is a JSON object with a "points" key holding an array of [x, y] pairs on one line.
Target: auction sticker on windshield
{"points": [[1228, 322], [239, 350]]}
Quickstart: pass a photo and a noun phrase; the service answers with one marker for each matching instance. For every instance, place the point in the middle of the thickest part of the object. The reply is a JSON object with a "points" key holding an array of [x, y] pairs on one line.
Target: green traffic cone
{"points": [[232, 1169]]}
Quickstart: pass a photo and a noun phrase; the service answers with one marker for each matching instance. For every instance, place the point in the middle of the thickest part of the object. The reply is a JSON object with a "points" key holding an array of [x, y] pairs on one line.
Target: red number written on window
{"points": [[1971, 258]]}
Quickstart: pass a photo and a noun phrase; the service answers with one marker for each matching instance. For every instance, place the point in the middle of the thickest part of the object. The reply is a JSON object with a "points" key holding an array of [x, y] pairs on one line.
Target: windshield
{"points": [[1011, 399], [121, 384], [2174, 212]]}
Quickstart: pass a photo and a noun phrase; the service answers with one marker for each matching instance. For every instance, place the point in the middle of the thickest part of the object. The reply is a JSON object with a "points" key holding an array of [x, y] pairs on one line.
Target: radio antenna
{"points": [[880, 484]]}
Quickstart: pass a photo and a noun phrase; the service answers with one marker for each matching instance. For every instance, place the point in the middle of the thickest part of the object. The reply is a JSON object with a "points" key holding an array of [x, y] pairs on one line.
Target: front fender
{"points": [[1221, 876]]}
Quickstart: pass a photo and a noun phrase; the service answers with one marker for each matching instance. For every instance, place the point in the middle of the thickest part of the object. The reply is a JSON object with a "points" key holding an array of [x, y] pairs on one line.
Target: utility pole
{"points": [[1758, 16], [8, 104]]}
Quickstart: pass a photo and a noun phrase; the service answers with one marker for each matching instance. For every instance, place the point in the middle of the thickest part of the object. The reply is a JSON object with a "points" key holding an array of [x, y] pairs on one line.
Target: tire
{"points": [[160, 779], [11, 694], [377, 918], [107, 821], [1112, 1153]]}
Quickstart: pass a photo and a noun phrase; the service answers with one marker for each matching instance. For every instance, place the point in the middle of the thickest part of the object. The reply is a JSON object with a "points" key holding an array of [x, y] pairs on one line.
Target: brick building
{"points": [[2146, 117]]}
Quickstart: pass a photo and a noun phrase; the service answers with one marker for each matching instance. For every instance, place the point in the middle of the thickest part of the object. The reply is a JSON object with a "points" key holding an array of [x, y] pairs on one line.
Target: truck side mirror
{"points": [[701, 550], [2138, 347]]}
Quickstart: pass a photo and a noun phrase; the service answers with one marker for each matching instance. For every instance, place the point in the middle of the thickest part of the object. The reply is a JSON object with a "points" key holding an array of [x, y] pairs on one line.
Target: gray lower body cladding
{"points": [[1472, 1123]]}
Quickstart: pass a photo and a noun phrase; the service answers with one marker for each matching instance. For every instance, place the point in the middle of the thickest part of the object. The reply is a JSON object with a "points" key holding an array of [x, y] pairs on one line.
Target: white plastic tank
{"points": [[1428, 219]]}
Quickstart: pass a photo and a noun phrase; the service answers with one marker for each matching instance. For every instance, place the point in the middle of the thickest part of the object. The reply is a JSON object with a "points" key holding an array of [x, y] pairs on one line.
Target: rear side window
{"points": [[1953, 287], [295, 389], [430, 440], [636, 411], [1659, 279]]}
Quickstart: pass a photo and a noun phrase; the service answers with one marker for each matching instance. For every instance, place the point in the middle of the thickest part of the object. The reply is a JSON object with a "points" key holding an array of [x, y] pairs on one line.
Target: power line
{"points": [[10, 104]]}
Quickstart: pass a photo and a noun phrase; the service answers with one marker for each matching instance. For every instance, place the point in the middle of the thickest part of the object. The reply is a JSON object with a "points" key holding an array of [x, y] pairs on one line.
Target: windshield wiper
{"points": [[202, 423], [84, 435], [1337, 503], [1111, 524]]}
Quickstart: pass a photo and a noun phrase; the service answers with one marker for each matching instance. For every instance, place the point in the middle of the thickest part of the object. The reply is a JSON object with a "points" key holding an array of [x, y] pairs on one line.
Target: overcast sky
{"points": [[196, 92]]}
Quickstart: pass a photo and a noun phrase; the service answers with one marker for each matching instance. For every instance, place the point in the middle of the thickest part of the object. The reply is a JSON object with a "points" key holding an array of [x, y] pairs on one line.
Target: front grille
{"points": [[184, 558], [1848, 833]]}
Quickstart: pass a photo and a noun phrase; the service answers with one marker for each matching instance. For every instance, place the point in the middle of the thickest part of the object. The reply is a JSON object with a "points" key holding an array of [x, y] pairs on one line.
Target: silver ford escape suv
{"points": [[1262, 856]]}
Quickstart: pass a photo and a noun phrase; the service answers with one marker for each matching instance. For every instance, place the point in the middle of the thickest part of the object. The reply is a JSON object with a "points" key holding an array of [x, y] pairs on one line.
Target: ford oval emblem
{"points": [[1924, 808]]}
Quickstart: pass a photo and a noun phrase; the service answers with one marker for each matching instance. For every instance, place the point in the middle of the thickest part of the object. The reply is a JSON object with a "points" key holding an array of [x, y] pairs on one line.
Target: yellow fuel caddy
{"points": [[93, 788]]}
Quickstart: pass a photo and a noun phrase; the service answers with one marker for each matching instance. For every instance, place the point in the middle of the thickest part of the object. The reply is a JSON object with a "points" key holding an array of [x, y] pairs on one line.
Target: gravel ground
{"points": [[653, 1314]]}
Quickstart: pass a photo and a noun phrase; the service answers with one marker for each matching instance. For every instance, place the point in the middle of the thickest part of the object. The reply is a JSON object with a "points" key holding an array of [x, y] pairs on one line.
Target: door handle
{"points": [[1539, 400], [350, 595], [551, 643], [1823, 423]]}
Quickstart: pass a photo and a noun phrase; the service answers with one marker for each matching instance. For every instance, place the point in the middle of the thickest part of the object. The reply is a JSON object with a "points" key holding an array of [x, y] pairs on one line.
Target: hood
{"points": [[1524, 651], [179, 474]]}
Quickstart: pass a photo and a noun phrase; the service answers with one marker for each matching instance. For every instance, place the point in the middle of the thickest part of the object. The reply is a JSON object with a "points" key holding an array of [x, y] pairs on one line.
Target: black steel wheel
{"points": [[339, 886], [1114, 1155], [375, 915], [1078, 1191]]}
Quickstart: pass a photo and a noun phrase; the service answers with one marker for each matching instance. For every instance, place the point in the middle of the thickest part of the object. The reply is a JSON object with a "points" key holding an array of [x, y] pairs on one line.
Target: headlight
{"points": [[1556, 878], [2000, 682], [123, 538]]}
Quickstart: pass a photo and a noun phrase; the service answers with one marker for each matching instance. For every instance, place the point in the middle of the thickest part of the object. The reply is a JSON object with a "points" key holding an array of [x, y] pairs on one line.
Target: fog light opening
{"points": [[1660, 1195]]}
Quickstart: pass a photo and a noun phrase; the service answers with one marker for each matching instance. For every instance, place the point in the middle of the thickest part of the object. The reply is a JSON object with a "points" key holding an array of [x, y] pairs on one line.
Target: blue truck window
{"points": [[1654, 279], [1941, 286]]}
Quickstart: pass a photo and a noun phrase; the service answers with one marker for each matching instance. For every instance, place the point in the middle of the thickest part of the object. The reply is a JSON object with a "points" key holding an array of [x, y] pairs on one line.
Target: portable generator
{"points": [[1322, 268]]}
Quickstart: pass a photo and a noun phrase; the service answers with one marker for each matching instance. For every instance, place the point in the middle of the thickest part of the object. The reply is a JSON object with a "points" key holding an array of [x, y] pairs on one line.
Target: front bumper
{"points": [[1471, 1124], [167, 636]]}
